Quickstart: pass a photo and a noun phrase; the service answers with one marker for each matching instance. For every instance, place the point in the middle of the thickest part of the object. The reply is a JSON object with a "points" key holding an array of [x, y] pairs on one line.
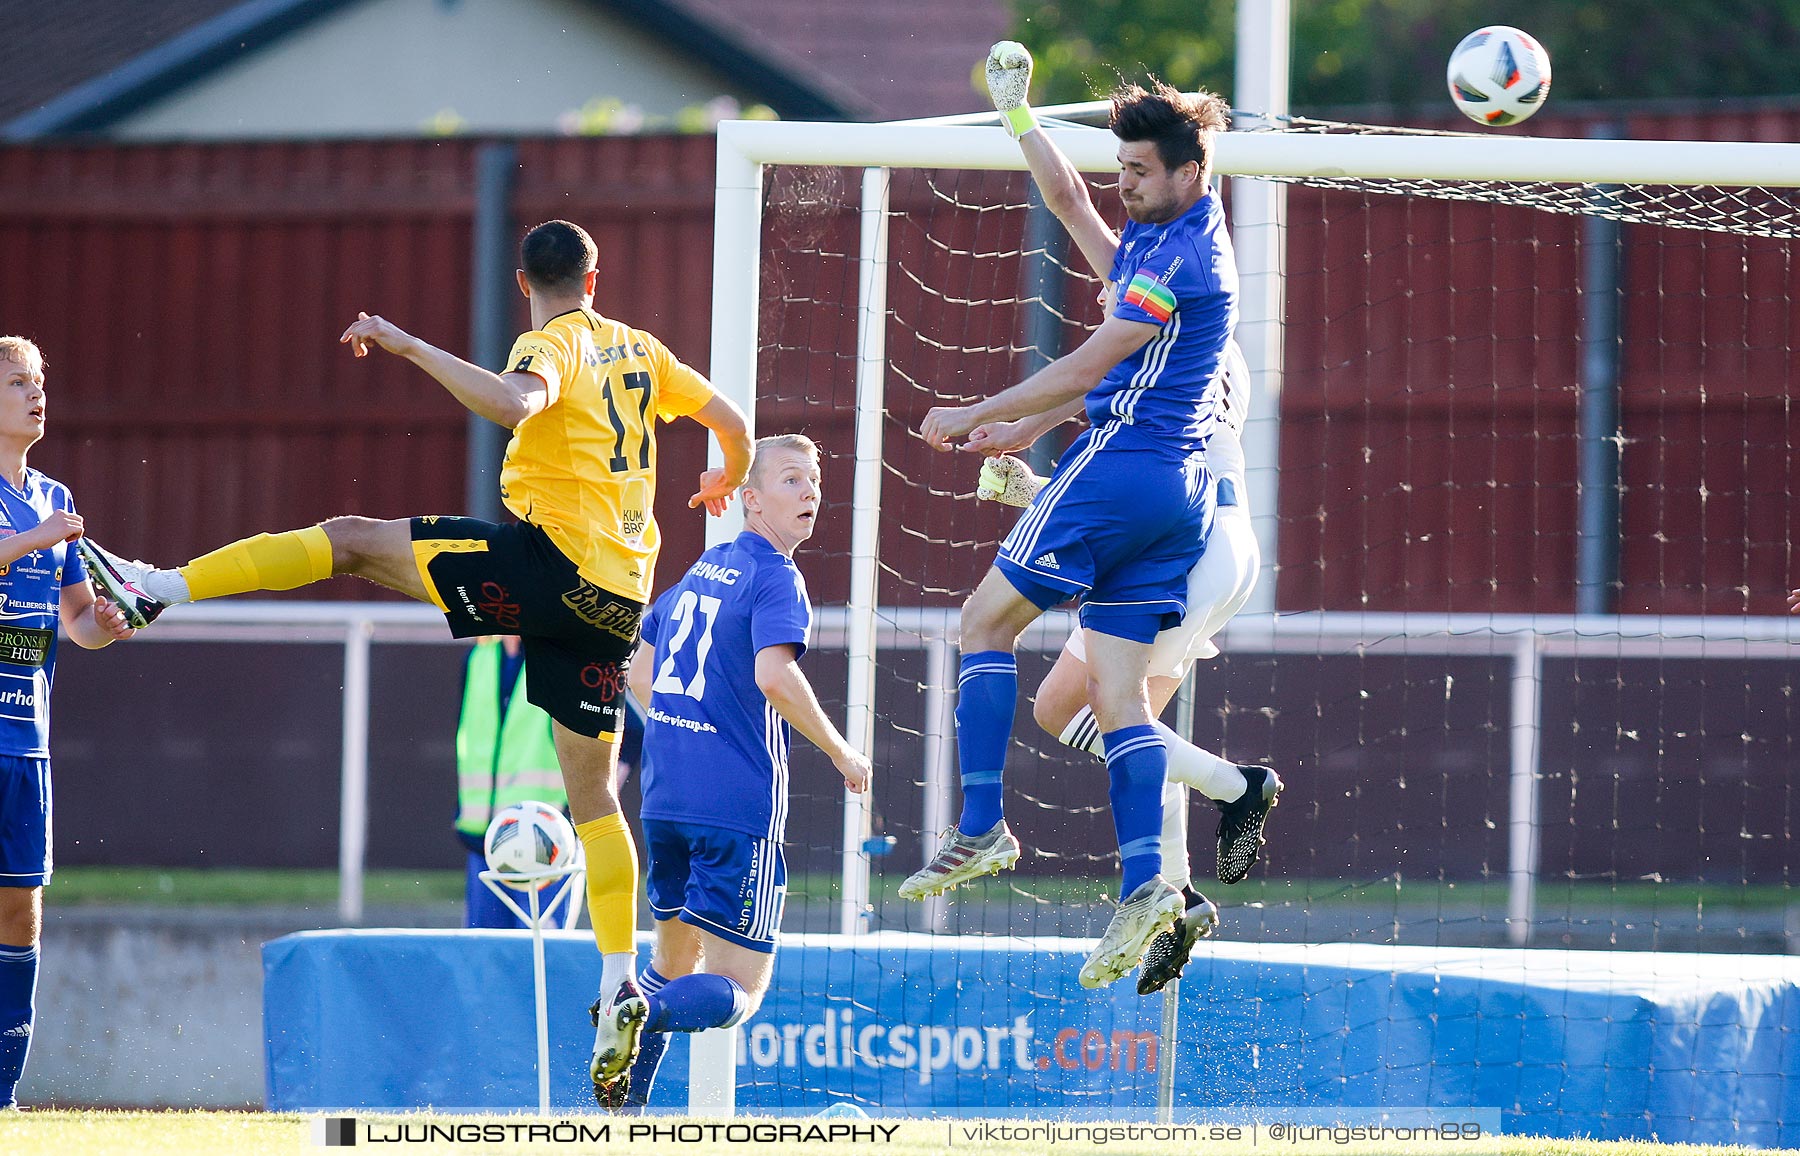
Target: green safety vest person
{"points": [[504, 755]]}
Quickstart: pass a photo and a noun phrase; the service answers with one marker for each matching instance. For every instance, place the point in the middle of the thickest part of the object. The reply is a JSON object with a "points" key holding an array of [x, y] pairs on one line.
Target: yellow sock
{"points": [[265, 562], [612, 882]]}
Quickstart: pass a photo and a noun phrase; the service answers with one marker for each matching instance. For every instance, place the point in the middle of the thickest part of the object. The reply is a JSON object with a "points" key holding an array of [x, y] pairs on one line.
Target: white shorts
{"points": [[1218, 586]]}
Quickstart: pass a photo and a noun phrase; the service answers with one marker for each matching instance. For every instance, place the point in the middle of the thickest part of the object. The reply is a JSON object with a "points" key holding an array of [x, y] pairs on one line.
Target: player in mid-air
{"points": [[718, 672], [1125, 516], [582, 394], [43, 584], [1218, 586]]}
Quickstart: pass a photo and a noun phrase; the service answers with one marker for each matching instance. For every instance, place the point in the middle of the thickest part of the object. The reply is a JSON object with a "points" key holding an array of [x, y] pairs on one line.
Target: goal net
{"points": [[1520, 465]]}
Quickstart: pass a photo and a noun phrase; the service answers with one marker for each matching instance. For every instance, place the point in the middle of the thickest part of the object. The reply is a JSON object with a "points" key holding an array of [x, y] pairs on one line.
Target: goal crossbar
{"points": [[1278, 154]]}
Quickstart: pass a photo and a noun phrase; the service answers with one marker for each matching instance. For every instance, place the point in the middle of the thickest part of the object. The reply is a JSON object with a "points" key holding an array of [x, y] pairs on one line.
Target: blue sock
{"points": [[651, 1046], [694, 1003], [1137, 763], [18, 984], [987, 686]]}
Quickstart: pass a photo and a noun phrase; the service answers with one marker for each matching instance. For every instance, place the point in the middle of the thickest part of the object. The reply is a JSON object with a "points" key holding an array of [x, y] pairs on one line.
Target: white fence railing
{"points": [[1525, 640]]}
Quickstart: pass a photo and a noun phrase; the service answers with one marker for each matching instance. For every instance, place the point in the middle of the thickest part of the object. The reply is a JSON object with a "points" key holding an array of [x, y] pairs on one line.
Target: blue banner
{"points": [[1620, 1045]]}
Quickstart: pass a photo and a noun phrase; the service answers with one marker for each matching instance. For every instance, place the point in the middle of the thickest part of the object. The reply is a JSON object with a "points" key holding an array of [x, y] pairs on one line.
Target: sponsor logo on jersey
{"points": [[713, 572], [681, 722], [1047, 560], [33, 565], [607, 354], [24, 646]]}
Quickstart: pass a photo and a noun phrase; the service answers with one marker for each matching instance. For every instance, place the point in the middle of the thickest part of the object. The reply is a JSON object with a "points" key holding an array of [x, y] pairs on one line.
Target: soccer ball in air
{"points": [[526, 838], [1499, 75]]}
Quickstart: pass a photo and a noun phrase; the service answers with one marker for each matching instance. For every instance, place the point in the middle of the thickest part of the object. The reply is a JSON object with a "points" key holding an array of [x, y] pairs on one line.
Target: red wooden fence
{"points": [[189, 298]]}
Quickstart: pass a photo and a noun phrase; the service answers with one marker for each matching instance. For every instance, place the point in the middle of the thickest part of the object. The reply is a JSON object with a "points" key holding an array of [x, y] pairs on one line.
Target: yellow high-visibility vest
{"points": [[500, 762]]}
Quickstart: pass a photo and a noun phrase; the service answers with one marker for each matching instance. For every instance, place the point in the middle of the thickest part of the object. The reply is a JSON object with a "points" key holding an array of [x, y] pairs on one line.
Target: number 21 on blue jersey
{"points": [[688, 607]]}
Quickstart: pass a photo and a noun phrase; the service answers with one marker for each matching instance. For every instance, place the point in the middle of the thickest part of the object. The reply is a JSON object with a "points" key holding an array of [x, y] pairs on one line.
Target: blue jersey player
{"points": [[1128, 510], [42, 584], [718, 672]]}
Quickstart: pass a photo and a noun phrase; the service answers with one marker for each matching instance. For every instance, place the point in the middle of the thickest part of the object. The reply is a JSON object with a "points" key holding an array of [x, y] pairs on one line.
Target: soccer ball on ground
{"points": [[526, 838], [1499, 75]]}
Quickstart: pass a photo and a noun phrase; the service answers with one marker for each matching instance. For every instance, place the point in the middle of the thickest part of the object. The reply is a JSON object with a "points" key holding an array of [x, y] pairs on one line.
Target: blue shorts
{"points": [[725, 882], [24, 821], [1118, 529]]}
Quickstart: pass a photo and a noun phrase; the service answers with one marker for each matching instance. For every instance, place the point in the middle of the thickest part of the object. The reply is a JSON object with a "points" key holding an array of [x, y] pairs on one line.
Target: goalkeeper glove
{"points": [[1009, 82], [1007, 480]]}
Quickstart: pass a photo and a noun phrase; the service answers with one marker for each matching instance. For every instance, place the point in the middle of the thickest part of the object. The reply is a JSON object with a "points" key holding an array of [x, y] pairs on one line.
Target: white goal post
{"points": [[745, 147]]}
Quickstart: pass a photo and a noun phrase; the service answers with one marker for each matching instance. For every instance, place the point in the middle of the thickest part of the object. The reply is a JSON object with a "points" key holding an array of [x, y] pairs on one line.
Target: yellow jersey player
{"points": [[581, 394]]}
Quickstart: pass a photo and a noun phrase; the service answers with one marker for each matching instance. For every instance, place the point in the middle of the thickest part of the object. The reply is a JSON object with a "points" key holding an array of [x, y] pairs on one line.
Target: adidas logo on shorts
{"points": [[1047, 560]]}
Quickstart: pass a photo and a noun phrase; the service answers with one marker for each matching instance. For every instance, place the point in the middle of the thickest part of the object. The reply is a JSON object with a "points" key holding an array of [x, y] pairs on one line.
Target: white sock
{"points": [[167, 587], [1187, 764], [1190, 766], [615, 968], [1174, 835], [1083, 733], [1202, 770]]}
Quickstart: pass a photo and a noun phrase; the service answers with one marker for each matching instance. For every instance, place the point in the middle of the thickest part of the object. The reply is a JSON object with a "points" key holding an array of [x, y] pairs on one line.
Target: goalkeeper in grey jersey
{"points": [[1218, 585]]}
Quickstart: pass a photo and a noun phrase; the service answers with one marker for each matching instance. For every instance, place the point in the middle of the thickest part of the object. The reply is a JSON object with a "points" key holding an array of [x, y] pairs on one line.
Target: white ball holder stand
{"points": [[571, 894]]}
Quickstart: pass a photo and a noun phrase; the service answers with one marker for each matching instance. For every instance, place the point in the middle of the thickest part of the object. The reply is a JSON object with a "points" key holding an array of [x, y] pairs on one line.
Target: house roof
{"points": [[81, 66], [899, 60], [55, 47]]}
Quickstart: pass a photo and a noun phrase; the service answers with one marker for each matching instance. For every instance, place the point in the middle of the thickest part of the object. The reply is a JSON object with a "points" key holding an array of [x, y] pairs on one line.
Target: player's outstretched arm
{"points": [[1064, 191], [778, 676], [1064, 380], [727, 423], [506, 399], [1007, 437]]}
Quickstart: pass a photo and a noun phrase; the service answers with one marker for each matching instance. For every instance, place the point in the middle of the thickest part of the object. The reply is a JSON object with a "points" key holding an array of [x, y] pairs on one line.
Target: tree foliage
{"points": [[1392, 52]]}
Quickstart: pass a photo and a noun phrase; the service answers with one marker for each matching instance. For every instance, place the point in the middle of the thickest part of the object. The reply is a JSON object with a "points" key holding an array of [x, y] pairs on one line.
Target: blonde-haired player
{"points": [[43, 585]]}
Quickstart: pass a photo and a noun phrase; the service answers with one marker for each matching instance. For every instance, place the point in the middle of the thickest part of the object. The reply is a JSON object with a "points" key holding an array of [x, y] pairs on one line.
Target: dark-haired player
{"points": [[1128, 511], [581, 394]]}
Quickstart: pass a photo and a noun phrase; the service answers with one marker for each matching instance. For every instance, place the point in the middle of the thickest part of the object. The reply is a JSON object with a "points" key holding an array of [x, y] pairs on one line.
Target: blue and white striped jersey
{"points": [[1181, 276], [30, 605], [715, 750]]}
